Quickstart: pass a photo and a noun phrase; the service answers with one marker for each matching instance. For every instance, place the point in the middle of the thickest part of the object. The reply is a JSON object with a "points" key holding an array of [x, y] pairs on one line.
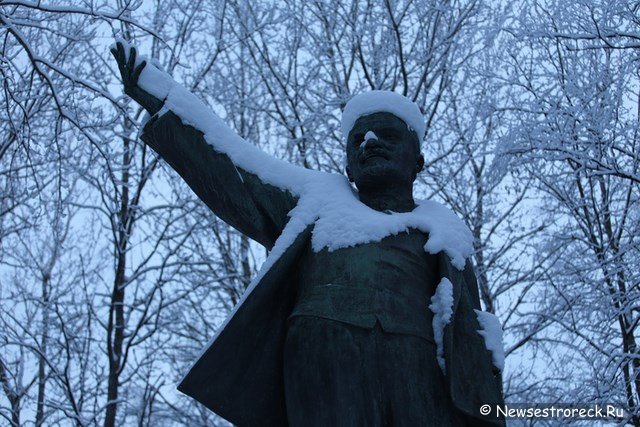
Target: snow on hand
{"points": [[492, 333], [442, 308]]}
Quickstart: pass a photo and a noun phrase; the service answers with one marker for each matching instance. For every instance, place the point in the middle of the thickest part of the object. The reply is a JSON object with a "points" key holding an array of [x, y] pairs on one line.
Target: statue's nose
{"points": [[369, 137]]}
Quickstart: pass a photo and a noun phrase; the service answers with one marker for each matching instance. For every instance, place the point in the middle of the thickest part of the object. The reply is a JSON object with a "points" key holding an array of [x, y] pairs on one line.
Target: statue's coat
{"points": [[240, 375]]}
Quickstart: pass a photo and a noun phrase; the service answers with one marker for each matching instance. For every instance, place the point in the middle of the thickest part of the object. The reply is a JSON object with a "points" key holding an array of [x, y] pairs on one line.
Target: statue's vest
{"points": [[390, 282]]}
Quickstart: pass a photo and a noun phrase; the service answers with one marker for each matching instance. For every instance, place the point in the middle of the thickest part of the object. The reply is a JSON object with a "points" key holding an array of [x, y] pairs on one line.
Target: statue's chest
{"points": [[397, 263], [390, 282]]}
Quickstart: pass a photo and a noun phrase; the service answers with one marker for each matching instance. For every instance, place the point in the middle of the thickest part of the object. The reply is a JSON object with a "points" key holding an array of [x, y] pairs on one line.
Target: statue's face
{"points": [[393, 159]]}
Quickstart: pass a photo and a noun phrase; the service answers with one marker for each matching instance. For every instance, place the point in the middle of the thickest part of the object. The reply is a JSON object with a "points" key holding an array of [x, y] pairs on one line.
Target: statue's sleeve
{"points": [[472, 284], [256, 209], [472, 287]]}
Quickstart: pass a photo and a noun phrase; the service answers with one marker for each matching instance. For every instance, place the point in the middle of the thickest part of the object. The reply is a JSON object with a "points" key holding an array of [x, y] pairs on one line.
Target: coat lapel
{"points": [[239, 376]]}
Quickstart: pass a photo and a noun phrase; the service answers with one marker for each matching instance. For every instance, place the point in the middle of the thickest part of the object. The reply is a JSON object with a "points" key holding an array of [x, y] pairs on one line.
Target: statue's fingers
{"points": [[119, 60], [131, 63], [121, 57], [137, 71], [120, 49], [116, 54]]}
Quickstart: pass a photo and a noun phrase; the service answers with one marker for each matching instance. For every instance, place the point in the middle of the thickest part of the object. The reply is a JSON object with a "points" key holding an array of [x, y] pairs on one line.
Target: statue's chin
{"points": [[378, 175]]}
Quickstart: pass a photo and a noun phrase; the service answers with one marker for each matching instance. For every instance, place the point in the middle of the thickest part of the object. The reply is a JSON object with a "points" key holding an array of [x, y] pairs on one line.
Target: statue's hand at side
{"points": [[130, 74]]}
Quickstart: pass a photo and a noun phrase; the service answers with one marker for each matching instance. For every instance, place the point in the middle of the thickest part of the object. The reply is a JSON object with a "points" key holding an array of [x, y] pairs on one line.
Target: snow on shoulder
{"points": [[383, 101], [343, 221], [442, 308], [492, 333]]}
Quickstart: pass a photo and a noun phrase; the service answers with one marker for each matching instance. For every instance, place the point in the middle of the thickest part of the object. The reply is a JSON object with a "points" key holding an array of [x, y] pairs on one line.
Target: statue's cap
{"points": [[379, 101]]}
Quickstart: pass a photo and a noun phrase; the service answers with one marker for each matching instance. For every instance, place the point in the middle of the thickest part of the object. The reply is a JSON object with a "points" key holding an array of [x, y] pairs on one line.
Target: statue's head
{"points": [[383, 131]]}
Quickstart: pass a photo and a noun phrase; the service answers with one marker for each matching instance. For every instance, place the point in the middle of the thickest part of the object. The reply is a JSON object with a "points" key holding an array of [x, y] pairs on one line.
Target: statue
{"points": [[366, 311]]}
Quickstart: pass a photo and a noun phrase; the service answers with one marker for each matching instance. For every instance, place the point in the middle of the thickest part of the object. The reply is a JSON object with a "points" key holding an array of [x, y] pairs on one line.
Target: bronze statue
{"points": [[339, 337]]}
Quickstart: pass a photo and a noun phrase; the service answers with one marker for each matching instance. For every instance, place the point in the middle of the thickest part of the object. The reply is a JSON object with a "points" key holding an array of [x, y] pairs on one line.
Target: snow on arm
{"points": [[223, 139], [442, 308], [492, 333]]}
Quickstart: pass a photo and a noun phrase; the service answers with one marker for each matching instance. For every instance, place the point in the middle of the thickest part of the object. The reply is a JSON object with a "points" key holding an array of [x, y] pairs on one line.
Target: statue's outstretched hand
{"points": [[130, 74]]}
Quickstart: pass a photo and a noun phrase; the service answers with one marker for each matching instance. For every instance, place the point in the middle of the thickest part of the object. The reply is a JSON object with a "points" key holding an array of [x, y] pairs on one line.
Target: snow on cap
{"points": [[383, 101]]}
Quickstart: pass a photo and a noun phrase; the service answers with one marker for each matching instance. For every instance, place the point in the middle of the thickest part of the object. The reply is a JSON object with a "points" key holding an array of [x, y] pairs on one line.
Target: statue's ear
{"points": [[419, 164], [348, 170]]}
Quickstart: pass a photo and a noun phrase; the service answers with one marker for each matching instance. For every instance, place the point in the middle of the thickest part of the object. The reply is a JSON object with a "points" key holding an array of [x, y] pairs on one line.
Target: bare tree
{"points": [[576, 133]]}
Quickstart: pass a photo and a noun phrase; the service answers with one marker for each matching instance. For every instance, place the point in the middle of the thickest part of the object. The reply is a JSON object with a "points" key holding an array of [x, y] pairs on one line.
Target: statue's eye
{"points": [[388, 134]]}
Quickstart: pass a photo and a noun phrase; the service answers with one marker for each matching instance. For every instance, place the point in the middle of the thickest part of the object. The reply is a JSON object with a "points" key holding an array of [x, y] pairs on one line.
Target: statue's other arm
{"points": [[238, 197]]}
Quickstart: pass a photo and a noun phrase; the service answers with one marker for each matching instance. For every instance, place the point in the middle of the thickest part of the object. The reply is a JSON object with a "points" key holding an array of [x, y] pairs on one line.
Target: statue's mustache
{"points": [[374, 148]]}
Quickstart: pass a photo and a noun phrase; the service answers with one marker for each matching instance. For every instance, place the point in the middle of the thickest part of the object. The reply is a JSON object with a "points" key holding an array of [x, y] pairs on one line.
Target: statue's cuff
{"points": [[149, 123], [149, 120]]}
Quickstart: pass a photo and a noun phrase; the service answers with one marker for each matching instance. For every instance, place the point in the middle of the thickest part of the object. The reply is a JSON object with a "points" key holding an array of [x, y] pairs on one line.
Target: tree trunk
{"points": [[115, 326], [43, 351], [12, 396]]}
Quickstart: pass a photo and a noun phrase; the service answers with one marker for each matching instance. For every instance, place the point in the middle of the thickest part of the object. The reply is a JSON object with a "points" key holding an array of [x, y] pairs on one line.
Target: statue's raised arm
{"points": [[240, 198]]}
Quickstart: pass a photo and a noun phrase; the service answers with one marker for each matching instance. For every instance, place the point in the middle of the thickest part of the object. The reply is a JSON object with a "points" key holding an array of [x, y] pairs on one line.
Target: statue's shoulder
{"points": [[448, 233]]}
